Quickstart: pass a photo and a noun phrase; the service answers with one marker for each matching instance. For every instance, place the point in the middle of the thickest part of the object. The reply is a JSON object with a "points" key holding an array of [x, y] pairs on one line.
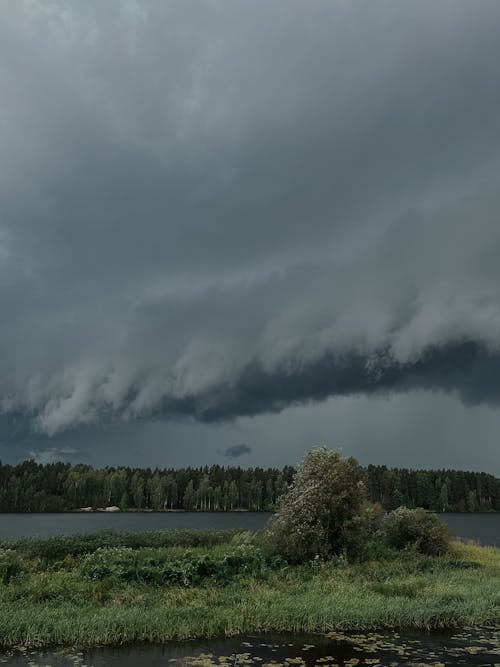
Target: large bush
{"points": [[416, 528], [323, 512], [158, 566]]}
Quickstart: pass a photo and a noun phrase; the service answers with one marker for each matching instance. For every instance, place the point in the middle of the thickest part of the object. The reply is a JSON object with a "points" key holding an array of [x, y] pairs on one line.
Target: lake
{"points": [[481, 527], [71, 523], [474, 648]]}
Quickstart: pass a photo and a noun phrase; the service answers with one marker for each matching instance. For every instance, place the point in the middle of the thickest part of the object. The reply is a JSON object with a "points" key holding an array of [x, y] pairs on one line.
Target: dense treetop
{"points": [[33, 487], [324, 511]]}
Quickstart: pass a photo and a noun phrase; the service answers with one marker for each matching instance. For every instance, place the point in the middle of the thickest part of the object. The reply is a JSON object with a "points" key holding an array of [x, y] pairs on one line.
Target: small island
{"points": [[329, 561]]}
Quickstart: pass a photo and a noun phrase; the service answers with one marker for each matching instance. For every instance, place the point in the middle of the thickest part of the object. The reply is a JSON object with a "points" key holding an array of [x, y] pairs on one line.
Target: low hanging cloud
{"points": [[225, 210], [56, 454], [235, 451]]}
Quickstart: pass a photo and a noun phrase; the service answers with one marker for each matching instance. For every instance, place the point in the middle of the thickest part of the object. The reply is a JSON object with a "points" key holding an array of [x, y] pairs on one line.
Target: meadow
{"points": [[113, 588]]}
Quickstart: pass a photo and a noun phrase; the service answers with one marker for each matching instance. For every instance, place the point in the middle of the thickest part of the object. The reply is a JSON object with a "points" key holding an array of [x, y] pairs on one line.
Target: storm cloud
{"points": [[223, 209], [235, 451]]}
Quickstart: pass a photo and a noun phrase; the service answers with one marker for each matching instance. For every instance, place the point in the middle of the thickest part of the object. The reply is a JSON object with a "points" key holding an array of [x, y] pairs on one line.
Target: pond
{"points": [[482, 527], [471, 648]]}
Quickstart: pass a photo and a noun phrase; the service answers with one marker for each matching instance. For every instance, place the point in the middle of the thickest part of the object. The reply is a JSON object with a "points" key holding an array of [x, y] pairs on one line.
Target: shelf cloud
{"points": [[223, 210]]}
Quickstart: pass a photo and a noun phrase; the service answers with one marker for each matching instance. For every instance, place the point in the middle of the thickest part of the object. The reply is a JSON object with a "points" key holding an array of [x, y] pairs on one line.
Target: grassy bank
{"points": [[111, 589]]}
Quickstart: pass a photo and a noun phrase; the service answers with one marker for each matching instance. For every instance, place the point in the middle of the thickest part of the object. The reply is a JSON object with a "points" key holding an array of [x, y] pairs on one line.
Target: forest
{"points": [[54, 487]]}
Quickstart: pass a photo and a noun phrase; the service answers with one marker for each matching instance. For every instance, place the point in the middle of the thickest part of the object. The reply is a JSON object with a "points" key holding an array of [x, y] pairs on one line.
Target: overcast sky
{"points": [[232, 230]]}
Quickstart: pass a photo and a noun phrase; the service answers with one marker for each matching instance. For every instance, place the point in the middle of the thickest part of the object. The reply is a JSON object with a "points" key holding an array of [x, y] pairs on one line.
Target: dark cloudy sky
{"points": [[232, 230]]}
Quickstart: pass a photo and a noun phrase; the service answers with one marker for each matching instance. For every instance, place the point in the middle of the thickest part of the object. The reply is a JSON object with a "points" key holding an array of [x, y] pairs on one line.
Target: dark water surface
{"points": [[472, 648], [72, 523], [482, 527]]}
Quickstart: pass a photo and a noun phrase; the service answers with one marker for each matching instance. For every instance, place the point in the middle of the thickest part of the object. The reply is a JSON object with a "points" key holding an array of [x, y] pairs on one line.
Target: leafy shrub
{"points": [[10, 565], [417, 528], [360, 530], [377, 549], [56, 549], [107, 562], [156, 566], [324, 512]]}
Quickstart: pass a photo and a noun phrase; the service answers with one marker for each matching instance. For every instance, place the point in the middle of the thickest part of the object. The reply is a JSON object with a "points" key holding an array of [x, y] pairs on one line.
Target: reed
{"points": [[65, 605]]}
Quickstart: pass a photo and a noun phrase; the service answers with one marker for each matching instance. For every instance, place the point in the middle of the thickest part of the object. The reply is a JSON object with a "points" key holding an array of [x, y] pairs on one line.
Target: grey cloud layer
{"points": [[235, 451], [219, 209]]}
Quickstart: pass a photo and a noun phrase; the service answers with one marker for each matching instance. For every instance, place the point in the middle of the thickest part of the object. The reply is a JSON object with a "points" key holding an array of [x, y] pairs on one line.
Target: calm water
{"points": [[484, 528], [472, 648], [20, 525]]}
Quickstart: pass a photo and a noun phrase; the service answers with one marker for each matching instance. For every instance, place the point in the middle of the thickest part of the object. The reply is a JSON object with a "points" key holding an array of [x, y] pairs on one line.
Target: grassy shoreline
{"points": [[197, 584]]}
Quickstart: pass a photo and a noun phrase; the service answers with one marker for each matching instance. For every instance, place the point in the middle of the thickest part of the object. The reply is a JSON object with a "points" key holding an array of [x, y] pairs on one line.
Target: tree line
{"points": [[54, 487]]}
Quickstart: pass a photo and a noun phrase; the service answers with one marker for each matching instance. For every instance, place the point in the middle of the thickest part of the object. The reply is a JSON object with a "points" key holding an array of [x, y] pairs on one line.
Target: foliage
{"points": [[51, 549], [10, 565], [361, 528], [159, 567], [49, 606], [33, 487], [438, 490], [417, 528], [322, 512]]}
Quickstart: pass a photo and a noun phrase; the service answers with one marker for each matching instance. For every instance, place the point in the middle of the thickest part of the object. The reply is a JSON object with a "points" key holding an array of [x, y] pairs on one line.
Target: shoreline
{"points": [[342, 630]]}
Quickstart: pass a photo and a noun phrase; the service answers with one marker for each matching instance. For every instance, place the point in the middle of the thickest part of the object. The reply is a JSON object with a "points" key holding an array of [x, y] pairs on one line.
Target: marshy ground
{"points": [[111, 589]]}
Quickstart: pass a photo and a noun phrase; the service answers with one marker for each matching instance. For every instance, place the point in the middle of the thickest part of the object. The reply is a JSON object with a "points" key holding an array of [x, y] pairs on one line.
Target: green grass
{"points": [[53, 548], [231, 587]]}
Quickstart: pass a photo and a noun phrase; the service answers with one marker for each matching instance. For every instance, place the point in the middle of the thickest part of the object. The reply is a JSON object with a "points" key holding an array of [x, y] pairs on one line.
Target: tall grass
{"points": [[58, 547], [64, 605]]}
